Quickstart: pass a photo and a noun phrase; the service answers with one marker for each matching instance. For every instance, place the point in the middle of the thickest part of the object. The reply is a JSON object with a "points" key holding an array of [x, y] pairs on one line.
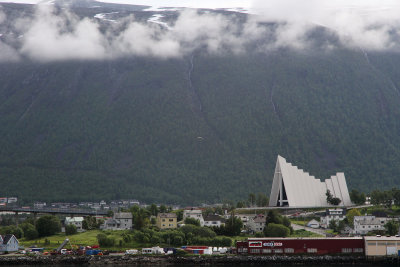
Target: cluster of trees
{"points": [[276, 225], [254, 200], [386, 197], [45, 226], [185, 235], [356, 197]]}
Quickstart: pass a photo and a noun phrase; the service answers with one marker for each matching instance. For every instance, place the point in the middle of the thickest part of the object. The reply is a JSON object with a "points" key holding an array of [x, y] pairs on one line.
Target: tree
{"points": [[262, 200], [396, 196], [30, 232], [48, 225], [276, 230], [163, 209], [392, 227], [273, 217], [332, 200], [252, 199], [70, 229], [240, 204], [153, 209], [90, 223], [350, 216], [140, 219], [11, 229], [357, 197], [192, 221], [233, 225]]}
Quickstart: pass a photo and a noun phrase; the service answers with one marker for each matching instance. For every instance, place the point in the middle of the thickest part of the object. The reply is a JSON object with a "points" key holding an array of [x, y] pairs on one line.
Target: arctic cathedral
{"points": [[295, 188]]}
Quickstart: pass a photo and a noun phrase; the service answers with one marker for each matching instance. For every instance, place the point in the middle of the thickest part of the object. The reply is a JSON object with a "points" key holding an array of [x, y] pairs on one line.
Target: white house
{"points": [[194, 213], [77, 221], [8, 243], [213, 220], [120, 221], [257, 223], [332, 215], [365, 224], [313, 224]]}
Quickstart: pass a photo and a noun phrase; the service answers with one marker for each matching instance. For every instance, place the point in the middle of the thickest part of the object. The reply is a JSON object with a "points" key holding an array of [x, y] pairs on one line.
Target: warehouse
{"points": [[320, 246], [294, 187], [382, 245]]}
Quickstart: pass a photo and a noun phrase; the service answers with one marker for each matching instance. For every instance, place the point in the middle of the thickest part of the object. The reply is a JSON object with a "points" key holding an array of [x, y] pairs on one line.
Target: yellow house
{"points": [[167, 221]]}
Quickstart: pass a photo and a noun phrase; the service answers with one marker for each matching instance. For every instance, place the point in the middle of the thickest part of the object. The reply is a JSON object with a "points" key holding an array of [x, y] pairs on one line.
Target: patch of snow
{"points": [[104, 16], [156, 18], [163, 5]]}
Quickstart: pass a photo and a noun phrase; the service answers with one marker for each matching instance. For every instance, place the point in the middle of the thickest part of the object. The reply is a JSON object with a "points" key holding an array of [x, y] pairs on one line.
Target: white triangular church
{"points": [[295, 188]]}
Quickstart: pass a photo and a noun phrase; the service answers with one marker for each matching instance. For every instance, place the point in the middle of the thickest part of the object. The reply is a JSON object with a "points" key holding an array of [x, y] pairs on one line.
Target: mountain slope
{"points": [[170, 131]]}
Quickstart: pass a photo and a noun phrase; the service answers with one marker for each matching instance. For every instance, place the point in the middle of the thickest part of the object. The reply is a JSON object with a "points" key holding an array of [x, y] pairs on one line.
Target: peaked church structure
{"points": [[295, 188]]}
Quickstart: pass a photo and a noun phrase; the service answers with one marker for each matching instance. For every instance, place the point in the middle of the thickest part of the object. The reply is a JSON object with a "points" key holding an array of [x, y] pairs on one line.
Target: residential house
{"points": [[8, 243], [194, 213], [365, 224], [257, 223], [77, 221], [332, 214], [120, 221], [213, 220], [167, 221], [244, 218], [313, 224]]}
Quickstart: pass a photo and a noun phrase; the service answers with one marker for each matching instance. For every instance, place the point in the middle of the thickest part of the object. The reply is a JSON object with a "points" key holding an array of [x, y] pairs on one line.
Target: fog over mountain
{"points": [[58, 34]]}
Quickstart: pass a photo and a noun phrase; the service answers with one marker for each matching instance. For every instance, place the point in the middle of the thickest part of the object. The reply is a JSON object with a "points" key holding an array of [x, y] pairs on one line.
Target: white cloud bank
{"points": [[366, 24]]}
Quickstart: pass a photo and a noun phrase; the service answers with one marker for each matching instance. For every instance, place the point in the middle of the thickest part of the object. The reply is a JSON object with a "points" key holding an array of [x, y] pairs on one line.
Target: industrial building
{"points": [[370, 246], [293, 187], [320, 246]]}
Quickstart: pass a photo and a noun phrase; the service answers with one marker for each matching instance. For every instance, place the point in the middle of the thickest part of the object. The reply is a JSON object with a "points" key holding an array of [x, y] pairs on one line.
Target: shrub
{"points": [[276, 230], [105, 241], [70, 229]]}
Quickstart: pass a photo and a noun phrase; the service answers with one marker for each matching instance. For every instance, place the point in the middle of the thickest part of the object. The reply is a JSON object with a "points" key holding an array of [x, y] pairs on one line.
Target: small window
{"points": [[255, 250], [267, 251], [347, 250], [278, 250], [358, 250], [312, 250], [171, 220], [289, 250]]}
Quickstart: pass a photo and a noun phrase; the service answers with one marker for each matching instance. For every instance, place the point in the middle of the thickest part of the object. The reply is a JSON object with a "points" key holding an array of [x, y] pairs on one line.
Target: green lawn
{"points": [[299, 222], [88, 238], [304, 233]]}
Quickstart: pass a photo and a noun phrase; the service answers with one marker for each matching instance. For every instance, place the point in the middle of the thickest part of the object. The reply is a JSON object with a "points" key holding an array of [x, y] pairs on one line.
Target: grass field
{"points": [[88, 238], [304, 233], [299, 222]]}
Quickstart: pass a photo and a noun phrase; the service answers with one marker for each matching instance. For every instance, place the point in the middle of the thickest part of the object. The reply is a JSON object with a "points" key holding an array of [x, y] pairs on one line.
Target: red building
{"points": [[336, 245]]}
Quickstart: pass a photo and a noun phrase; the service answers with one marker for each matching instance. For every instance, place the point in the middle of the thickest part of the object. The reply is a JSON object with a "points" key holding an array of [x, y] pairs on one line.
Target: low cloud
{"points": [[367, 24], [61, 35]]}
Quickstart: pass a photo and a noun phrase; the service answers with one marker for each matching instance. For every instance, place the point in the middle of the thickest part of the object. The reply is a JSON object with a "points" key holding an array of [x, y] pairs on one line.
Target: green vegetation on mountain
{"points": [[135, 128]]}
